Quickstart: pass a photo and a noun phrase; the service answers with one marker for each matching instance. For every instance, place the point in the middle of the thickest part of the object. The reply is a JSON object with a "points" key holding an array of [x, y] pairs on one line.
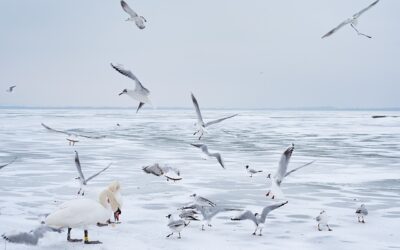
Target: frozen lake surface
{"points": [[357, 161]]}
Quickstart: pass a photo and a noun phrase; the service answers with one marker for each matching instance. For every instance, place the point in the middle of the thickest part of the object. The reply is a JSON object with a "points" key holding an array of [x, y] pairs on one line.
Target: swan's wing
{"points": [[79, 169], [268, 209], [337, 28], [197, 108], [155, 169], [129, 74], [55, 130], [5, 165], [358, 14], [31, 238], [127, 9], [248, 215], [294, 170], [283, 164], [101, 171], [219, 120]]}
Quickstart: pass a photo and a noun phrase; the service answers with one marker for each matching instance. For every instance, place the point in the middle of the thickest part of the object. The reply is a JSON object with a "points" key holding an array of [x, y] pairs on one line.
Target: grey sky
{"points": [[253, 54]]}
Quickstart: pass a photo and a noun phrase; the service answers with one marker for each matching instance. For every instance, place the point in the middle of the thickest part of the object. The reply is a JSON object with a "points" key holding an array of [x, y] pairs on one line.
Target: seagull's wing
{"points": [[358, 14], [91, 137], [31, 238], [129, 74], [176, 223], [55, 130], [219, 120], [196, 145], [101, 171], [127, 9], [219, 158], [283, 164], [347, 21], [168, 169], [5, 165], [79, 168], [155, 169], [12, 87], [268, 209], [248, 215], [294, 170], [197, 108], [205, 200]]}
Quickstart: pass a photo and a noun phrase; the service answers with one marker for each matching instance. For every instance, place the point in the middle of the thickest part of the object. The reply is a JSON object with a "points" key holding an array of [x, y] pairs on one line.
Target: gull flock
{"points": [[83, 212]]}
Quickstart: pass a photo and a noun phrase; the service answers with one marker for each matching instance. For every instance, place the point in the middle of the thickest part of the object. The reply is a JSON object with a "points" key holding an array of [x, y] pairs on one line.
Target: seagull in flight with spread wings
{"points": [[140, 93], [134, 17], [353, 21], [200, 124]]}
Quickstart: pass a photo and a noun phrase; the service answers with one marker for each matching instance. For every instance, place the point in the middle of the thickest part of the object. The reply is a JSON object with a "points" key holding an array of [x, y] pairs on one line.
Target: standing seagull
{"points": [[134, 17], [176, 225], [353, 21], [204, 202], [5, 165], [361, 212], [322, 220], [82, 180], [252, 171], [259, 219], [201, 125], [10, 89], [207, 154], [140, 93], [281, 173]]}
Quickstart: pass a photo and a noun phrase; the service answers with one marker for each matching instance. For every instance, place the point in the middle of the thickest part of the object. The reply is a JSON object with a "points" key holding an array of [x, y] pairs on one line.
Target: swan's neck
{"points": [[108, 201]]}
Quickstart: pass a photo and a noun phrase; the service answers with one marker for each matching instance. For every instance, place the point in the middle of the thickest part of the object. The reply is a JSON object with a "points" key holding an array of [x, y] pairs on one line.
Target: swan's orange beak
{"points": [[117, 214]]}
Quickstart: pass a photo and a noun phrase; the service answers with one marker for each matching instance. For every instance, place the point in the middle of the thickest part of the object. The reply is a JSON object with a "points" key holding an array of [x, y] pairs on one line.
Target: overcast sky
{"points": [[229, 53]]}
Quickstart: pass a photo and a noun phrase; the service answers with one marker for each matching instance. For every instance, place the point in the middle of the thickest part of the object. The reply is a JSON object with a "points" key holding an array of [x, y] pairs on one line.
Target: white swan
{"points": [[82, 213]]}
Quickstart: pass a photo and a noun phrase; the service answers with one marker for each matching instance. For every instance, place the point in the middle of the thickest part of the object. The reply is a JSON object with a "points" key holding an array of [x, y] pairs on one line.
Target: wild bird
{"points": [[72, 136], [322, 220], [202, 201], [30, 238], [252, 171], [281, 173], [259, 219], [176, 225], [207, 154], [170, 173], [11, 88], [361, 212], [353, 21], [208, 212], [200, 124], [140, 93], [134, 17], [11, 162], [81, 178], [83, 212]]}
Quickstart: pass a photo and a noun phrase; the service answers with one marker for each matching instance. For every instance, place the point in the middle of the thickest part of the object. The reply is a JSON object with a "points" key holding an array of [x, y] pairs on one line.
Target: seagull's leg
{"points": [[363, 221], [273, 197], [319, 229], [69, 237], [358, 217], [169, 235], [260, 232], [179, 235], [87, 241], [196, 132], [358, 32], [269, 192], [329, 229], [202, 227]]}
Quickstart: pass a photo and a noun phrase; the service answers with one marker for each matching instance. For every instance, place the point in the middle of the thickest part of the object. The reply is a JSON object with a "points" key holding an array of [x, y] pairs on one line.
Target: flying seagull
{"points": [[72, 136], [200, 124], [157, 170], [353, 21], [282, 172], [5, 165], [140, 93], [322, 220], [10, 89], [82, 180], [259, 219], [361, 212], [207, 154], [176, 226], [202, 201], [134, 17], [31, 238], [252, 171], [209, 212]]}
